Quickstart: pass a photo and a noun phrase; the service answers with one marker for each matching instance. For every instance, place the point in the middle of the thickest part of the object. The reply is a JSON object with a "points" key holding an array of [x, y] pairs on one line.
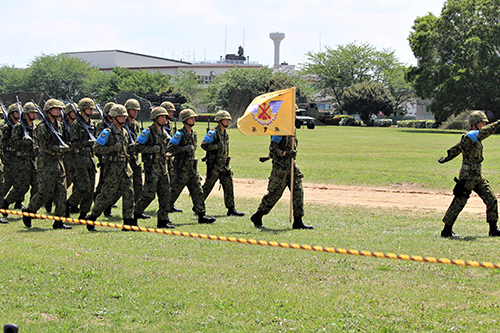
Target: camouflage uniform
{"points": [[280, 179], [85, 168], [118, 180], [153, 146], [69, 156], [216, 143], [50, 170], [470, 178], [135, 163], [26, 175], [183, 146], [9, 159]]}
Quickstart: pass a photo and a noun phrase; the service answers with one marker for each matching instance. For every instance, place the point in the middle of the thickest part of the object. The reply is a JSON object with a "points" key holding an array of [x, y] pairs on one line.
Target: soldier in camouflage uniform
{"points": [[216, 143], [170, 107], [183, 146], [283, 152], [470, 178], [69, 118], [113, 145], [49, 165], [99, 128], [153, 143], [1, 184], [85, 168], [25, 151], [9, 156]]}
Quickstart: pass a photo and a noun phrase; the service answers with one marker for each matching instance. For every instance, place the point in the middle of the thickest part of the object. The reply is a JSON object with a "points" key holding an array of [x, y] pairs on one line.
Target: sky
{"points": [[198, 30]]}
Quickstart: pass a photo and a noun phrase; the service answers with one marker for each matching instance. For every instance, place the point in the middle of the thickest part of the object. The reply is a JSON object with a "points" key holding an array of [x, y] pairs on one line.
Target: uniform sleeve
{"points": [[453, 152], [16, 137], [107, 148], [42, 137], [488, 130], [210, 141]]}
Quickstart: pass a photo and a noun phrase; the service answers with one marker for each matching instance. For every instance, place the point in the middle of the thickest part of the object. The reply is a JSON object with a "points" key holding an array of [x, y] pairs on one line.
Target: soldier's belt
{"points": [[25, 154], [471, 167], [115, 159]]}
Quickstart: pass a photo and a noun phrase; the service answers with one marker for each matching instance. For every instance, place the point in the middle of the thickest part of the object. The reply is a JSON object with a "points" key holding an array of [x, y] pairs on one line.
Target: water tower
{"points": [[277, 37]]}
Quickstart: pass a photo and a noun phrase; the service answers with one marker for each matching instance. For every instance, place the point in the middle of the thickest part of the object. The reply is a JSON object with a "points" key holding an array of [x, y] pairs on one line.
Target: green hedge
{"points": [[417, 123]]}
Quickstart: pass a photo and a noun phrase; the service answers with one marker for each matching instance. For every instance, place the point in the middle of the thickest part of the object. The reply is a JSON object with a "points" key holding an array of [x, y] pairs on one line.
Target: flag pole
{"points": [[292, 168]]}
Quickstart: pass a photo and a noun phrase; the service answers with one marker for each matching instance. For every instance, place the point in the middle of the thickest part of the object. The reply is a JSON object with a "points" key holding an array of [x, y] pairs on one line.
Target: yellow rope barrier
{"points": [[317, 248]]}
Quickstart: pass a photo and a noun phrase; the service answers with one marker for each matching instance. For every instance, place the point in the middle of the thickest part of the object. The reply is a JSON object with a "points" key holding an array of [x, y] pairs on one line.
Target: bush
{"points": [[417, 123], [383, 122]]}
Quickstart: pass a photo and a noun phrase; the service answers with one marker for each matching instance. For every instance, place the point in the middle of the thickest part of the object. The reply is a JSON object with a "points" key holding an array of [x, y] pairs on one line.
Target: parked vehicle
{"points": [[302, 119]]}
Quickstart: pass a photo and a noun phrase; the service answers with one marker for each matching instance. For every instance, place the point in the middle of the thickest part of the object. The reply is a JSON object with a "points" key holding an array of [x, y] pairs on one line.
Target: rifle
{"points": [[80, 119], [66, 123], [22, 120], [6, 116], [208, 124], [101, 114], [49, 124]]}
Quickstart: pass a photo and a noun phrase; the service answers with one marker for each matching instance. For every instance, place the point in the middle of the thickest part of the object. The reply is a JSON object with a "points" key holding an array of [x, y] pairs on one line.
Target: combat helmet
{"points": [[221, 115], [169, 106], [53, 103], [68, 108], [158, 111], [12, 108], [86, 103], [118, 110], [107, 107], [477, 117], [132, 104], [186, 114], [29, 108]]}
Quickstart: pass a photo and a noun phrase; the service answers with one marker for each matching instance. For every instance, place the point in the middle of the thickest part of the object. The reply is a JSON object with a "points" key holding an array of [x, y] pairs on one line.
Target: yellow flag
{"points": [[270, 114]]}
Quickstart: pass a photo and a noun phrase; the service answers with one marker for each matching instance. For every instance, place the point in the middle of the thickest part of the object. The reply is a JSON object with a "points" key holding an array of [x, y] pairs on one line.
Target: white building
{"points": [[205, 71]]}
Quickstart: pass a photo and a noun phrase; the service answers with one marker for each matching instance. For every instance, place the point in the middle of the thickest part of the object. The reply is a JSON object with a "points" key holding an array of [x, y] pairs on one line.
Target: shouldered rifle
{"points": [[22, 120], [49, 124], [6, 115], [101, 114], [66, 123], [80, 119], [208, 124]]}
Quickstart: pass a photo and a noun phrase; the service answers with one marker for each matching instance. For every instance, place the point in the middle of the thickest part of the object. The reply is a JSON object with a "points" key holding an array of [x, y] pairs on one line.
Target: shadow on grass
{"points": [[465, 239], [431, 131], [35, 229]]}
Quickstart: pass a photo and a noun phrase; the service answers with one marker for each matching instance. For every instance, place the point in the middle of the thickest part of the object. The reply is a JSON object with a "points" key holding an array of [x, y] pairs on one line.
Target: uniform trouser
{"points": [[483, 189], [137, 180], [278, 181], [69, 167], [83, 189], [191, 179], [225, 177], [1, 183], [24, 179], [9, 175], [116, 184], [50, 186], [157, 182]]}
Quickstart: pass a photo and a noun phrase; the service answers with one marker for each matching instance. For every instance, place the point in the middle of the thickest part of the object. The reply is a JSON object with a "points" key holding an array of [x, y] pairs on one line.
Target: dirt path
{"points": [[400, 196]]}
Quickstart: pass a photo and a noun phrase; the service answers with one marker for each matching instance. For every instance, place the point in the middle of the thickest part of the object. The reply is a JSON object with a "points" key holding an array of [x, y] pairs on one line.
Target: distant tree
{"points": [[458, 58], [367, 99], [12, 79], [58, 75], [336, 69], [142, 82]]}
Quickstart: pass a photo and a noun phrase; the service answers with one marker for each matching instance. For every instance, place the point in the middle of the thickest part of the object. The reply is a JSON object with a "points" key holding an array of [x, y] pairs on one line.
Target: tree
{"points": [[458, 58], [337, 69], [11, 79], [58, 75], [367, 99]]}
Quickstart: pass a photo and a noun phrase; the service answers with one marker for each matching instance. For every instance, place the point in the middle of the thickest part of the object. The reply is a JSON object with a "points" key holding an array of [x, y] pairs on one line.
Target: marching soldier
{"points": [[82, 140], [25, 151], [49, 165], [8, 156], [470, 178], [216, 143], [281, 151], [99, 128], [183, 146], [170, 107], [113, 145], [153, 143]]}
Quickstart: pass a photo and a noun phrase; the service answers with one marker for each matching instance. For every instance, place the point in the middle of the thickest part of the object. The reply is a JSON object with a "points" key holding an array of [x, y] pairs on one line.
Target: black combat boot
{"points": [[165, 224], [233, 212], [257, 219], [205, 219], [18, 205], [26, 219], [141, 216], [5, 206], [88, 218], [298, 224], [175, 210], [130, 222], [60, 225], [494, 232], [48, 206], [447, 232], [72, 209], [107, 212]]}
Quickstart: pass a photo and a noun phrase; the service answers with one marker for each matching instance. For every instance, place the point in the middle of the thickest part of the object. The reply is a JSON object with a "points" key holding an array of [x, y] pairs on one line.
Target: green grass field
{"points": [[113, 281]]}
